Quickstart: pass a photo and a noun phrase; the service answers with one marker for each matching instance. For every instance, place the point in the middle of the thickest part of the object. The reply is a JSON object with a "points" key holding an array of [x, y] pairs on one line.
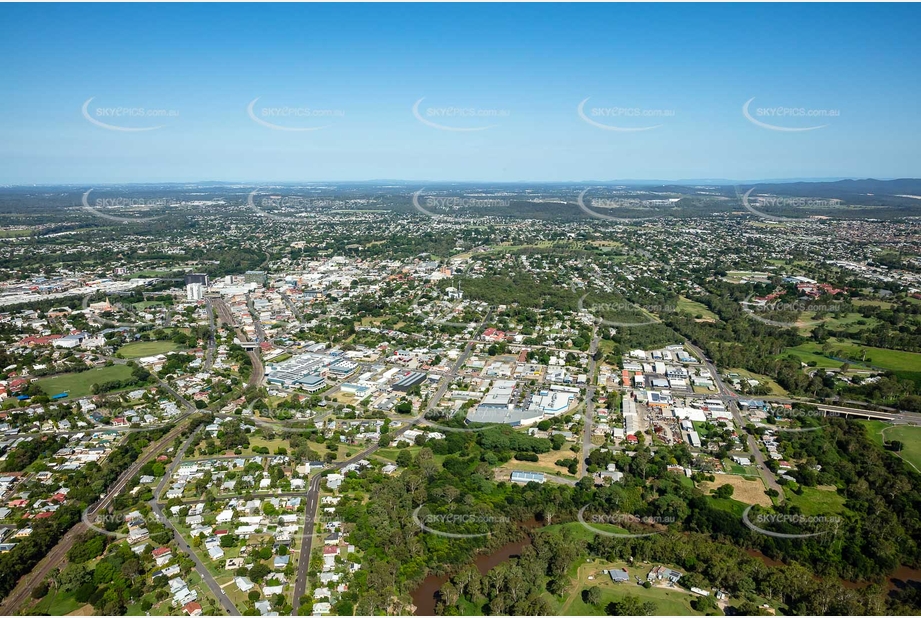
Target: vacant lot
{"points": [[140, 349], [815, 501], [81, 384], [745, 490], [546, 464], [694, 308], [776, 389]]}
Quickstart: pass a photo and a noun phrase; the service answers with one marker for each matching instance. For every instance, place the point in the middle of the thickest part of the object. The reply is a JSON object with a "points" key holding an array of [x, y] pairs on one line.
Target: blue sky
{"points": [[520, 71]]}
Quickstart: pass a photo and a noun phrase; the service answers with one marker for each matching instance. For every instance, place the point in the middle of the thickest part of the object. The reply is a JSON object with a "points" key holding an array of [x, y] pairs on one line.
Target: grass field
{"points": [[910, 437], [668, 601], [895, 360], [545, 464], [581, 532], [694, 308], [745, 490], [729, 505], [81, 384], [57, 604], [816, 501], [140, 349], [848, 321]]}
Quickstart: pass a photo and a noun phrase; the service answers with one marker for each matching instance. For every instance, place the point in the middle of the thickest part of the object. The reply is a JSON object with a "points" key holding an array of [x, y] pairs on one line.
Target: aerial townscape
{"points": [[341, 400], [430, 309]]}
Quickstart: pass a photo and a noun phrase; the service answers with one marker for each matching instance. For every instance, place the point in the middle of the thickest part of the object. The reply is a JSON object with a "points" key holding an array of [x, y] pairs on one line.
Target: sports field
{"points": [[81, 384]]}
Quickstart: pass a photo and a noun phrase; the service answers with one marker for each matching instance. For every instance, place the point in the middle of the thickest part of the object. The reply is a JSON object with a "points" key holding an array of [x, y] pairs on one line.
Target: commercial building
{"points": [[194, 291], [515, 417], [409, 380]]}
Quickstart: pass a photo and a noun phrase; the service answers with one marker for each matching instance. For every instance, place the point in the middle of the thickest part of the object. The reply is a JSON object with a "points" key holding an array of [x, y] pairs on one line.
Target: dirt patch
{"points": [[744, 490], [86, 610]]}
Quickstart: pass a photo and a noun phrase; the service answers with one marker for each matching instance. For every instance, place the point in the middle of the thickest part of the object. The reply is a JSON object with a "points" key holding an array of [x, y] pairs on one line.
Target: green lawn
{"points": [[694, 308], [908, 435], [903, 362], [669, 602], [581, 532], [81, 384], [139, 349], [57, 604], [816, 502], [729, 505]]}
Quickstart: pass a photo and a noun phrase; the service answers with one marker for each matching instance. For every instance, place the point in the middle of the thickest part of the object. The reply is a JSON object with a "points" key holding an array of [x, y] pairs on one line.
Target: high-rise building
{"points": [[194, 291]]}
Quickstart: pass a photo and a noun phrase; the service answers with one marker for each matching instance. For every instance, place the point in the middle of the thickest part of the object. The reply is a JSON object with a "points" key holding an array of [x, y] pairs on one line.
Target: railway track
{"points": [[58, 554]]}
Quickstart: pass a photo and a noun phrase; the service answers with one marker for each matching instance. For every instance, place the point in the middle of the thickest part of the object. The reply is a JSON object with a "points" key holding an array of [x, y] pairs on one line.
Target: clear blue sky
{"points": [[371, 63]]}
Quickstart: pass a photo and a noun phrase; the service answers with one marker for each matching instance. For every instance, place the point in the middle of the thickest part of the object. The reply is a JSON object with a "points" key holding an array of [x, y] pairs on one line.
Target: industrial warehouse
{"points": [[309, 371]]}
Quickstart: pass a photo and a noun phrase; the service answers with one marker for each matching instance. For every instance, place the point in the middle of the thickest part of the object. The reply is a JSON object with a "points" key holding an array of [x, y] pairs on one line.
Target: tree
{"points": [[404, 459], [724, 491], [592, 595]]}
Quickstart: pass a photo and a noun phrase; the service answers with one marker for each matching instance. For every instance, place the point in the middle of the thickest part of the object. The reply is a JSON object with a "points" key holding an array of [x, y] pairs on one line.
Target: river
{"points": [[424, 596], [896, 580]]}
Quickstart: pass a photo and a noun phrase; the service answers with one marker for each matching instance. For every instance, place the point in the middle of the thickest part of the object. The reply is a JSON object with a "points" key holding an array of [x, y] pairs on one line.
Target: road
{"points": [[203, 571], [313, 493], [58, 553], [726, 394], [589, 404]]}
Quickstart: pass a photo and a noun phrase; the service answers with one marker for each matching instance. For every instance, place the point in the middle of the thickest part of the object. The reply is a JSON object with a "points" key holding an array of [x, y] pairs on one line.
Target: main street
{"points": [[768, 477], [589, 403]]}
